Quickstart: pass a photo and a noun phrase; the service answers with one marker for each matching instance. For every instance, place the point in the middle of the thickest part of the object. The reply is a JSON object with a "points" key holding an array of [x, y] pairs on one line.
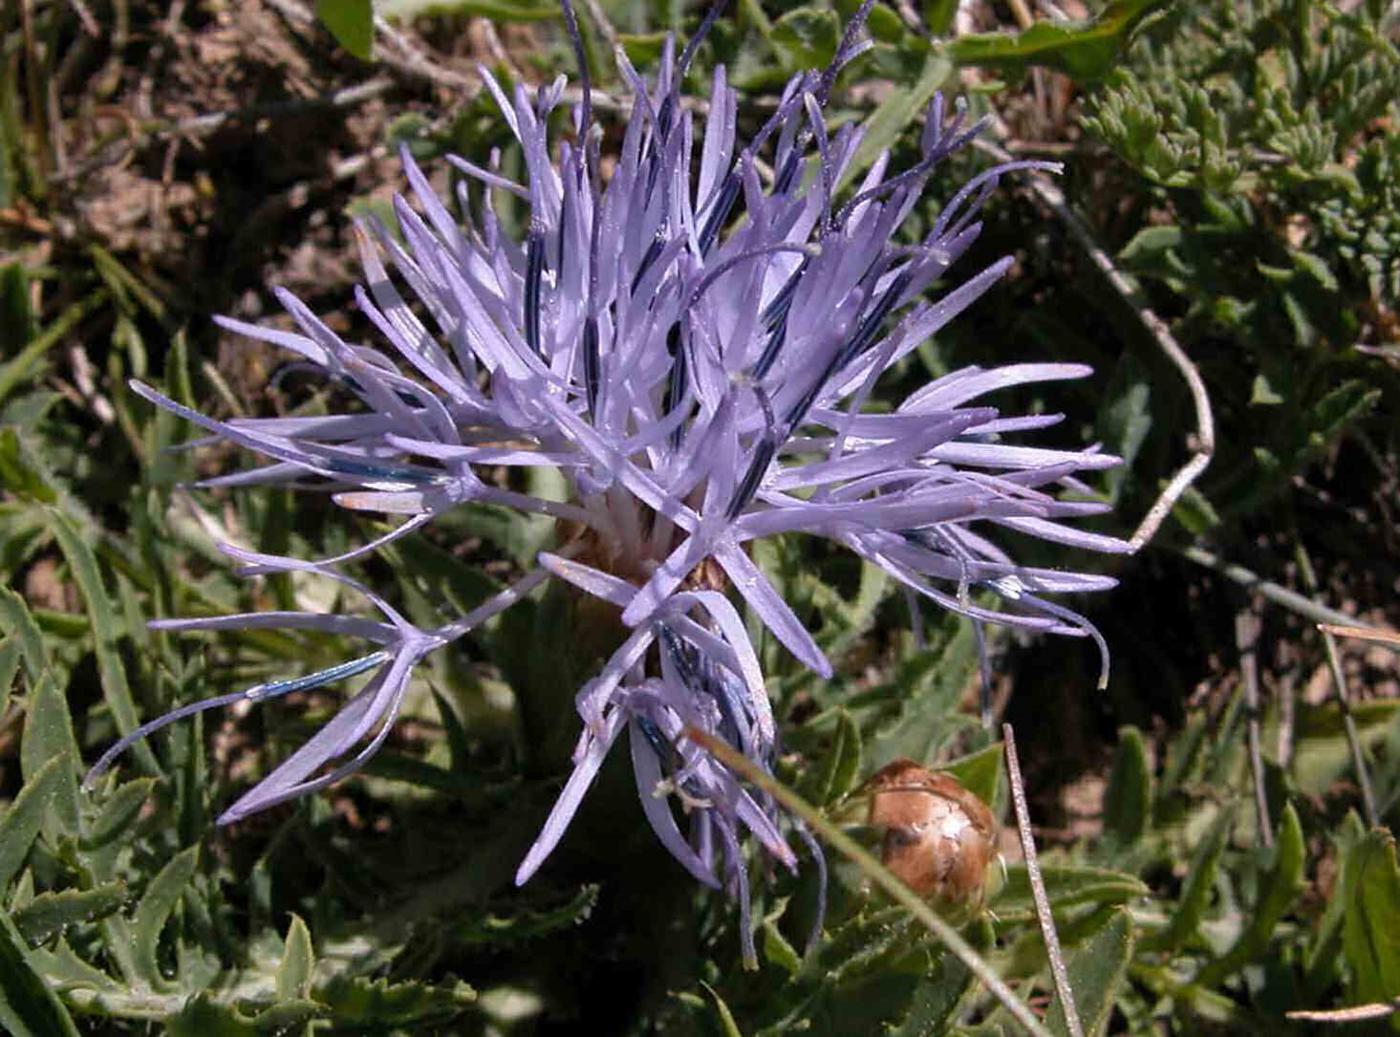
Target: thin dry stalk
{"points": [[1043, 915], [1201, 443], [1354, 1014], [1247, 641]]}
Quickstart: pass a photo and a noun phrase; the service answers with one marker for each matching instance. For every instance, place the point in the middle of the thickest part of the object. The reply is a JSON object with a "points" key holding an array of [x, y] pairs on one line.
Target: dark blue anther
{"points": [[592, 365], [534, 275], [648, 258], [728, 194]]}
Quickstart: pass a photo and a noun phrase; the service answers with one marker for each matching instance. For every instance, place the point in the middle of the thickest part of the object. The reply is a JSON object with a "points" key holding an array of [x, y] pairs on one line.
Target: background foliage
{"points": [[159, 163]]}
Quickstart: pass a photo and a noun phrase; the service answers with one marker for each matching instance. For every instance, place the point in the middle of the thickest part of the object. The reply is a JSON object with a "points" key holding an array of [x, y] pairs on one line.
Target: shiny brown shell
{"points": [[939, 838]]}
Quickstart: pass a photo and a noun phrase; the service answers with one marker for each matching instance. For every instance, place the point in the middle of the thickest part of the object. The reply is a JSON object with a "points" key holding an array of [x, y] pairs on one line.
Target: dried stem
{"points": [[1358, 756], [877, 872], [1247, 640], [1043, 915], [1202, 442], [1380, 637], [1270, 591], [1354, 1014]]}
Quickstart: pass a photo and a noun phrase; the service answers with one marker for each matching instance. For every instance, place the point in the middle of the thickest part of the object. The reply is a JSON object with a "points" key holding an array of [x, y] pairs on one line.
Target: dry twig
{"points": [[1247, 641], [1202, 442], [1043, 915]]}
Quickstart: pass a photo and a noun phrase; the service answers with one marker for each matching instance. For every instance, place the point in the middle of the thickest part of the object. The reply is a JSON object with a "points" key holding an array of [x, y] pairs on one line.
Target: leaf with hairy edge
{"points": [[842, 765], [28, 1008], [83, 564], [16, 619], [1280, 888], [202, 1016], [297, 964], [48, 736], [11, 654], [1067, 886], [1084, 50], [889, 121], [1371, 930], [156, 904], [1128, 799], [1195, 895], [379, 1003], [979, 773], [22, 819], [1096, 970], [49, 914]]}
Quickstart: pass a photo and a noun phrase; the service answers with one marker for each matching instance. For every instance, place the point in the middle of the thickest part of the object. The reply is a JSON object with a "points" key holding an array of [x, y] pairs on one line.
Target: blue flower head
{"points": [[690, 335]]}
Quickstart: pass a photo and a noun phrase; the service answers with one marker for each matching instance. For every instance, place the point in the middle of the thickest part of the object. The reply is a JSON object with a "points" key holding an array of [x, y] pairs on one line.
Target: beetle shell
{"points": [[939, 837]]}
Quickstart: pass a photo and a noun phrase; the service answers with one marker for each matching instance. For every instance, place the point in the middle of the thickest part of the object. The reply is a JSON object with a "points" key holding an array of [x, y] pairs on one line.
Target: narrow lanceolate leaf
{"points": [[48, 736], [1096, 971], [843, 760], [105, 631], [1128, 800], [28, 1008], [156, 904], [11, 654], [1280, 888], [298, 962], [1195, 896], [117, 813], [1371, 930], [1067, 886], [49, 914], [17, 622], [21, 820]]}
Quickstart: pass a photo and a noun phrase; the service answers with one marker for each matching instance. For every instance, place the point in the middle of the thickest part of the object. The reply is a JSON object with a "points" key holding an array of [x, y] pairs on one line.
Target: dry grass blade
{"points": [[878, 873], [1247, 641], [1058, 972], [1380, 637], [1354, 1014]]}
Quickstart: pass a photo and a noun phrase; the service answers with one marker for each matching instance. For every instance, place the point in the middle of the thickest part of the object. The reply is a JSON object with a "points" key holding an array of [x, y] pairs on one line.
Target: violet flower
{"points": [[694, 353]]}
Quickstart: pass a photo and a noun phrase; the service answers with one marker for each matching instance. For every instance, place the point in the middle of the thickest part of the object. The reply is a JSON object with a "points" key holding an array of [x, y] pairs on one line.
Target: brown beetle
{"points": [[939, 837]]}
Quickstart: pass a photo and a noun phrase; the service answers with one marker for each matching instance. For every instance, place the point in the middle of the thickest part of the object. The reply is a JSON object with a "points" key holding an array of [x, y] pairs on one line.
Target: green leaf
{"points": [[1280, 889], [49, 914], [202, 1016], [26, 361], [119, 811], [351, 22], [17, 620], [22, 819], [979, 772], [159, 900], [294, 971], [48, 736], [939, 15], [1096, 971], [11, 654], [1067, 886], [1195, 895], [806, 38], [1128, 799], [378, 1003], [1083, 50], [83, 564], [842, 765], [16, 318], [894, 115], [723, 1015], [1371, 930], [28, 1008], [497, 10]]}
